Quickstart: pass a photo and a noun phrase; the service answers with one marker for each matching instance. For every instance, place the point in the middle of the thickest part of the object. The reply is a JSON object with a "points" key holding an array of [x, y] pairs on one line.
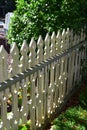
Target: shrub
{"points": [[33, 18], [73, 119]]}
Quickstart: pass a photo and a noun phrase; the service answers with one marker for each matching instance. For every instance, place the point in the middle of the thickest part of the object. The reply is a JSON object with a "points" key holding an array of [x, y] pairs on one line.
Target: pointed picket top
{"points": [[58, 37], [47, 48], [84, 32], [52, 46], [3, 51], [14, 49], [47, 38], [82, 35], [71, 38], [14, 59], [63, 42], [67, 38], [32, 54], [3, 64], [40, 49], [75, 39], [63, 34], [24, 47], [67, 31], [32, 44], [78, 39], [24, 56], [58, 42], [67, 34]]}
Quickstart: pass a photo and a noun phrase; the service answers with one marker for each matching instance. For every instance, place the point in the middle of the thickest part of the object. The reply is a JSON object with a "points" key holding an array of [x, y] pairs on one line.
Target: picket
{"points": [[47, 47], [14, 58], [52, 46], [4, 64], [40, 45], [32, 53], [58, 42]]}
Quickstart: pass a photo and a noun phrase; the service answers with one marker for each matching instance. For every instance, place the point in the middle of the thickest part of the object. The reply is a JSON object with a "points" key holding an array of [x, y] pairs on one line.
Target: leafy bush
{"points": [[37, 17], [25, 126], [73, 119]]}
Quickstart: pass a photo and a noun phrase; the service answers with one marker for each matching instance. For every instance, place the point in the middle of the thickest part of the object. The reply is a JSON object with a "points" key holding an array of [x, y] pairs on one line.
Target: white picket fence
{"points": [[50, 77]]}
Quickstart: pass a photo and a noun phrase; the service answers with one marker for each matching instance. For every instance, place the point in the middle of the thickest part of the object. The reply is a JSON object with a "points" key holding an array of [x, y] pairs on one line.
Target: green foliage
{"points": [[22, 127], [37, 17], [73, 119], [25, 126]]}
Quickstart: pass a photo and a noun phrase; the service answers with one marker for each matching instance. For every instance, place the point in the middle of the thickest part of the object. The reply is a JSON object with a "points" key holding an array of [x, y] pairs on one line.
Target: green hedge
{"points": [[35, 17]]}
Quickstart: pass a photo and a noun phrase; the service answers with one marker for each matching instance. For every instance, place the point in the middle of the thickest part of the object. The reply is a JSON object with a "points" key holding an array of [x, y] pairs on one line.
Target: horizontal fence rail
{"points": [[36, 52], [40, 66], [36, 80]]}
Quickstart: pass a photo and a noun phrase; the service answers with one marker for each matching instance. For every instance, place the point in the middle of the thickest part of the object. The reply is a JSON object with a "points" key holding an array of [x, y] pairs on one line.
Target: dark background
{"points": [[6, 6]]}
